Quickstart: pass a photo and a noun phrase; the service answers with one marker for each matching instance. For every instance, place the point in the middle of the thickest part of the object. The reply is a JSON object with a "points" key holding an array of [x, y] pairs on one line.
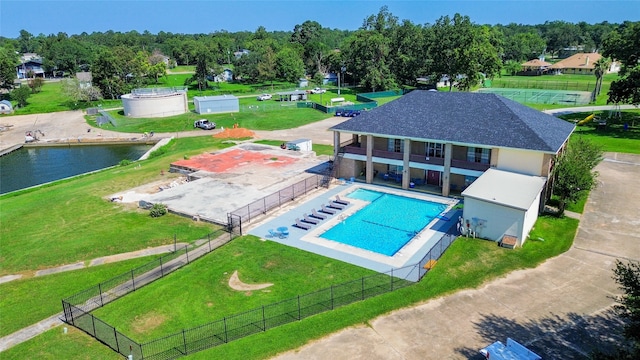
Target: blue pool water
{"points": [[386, 224]]}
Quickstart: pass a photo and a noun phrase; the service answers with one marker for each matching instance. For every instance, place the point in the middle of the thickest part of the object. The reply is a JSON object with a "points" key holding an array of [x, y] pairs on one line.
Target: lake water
{"points": [[38, 165]]}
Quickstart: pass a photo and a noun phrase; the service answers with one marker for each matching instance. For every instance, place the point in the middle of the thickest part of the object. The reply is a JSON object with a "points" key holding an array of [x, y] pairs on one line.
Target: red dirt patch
{"points": [[233, 159], [234, 133]]}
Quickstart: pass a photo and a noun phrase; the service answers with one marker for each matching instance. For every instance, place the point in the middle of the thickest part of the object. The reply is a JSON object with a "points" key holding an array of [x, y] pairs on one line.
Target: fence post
{"points": [[391, 279], [133, 281], [331, 296], [184, 341], [100, 290], [299, 311], [186, 251], [264, 320], [161, 271], [362, 287], [115, 334], [264, 205], [226, 336], [209, 241], [93, 324]]}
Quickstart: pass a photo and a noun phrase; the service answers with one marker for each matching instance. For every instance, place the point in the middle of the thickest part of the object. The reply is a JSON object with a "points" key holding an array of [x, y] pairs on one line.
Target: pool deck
{"points": [[310, 240]]}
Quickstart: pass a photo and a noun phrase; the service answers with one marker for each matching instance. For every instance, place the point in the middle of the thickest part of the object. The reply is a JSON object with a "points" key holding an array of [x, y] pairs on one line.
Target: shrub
{"points": [[158, 210], [125, 162]]}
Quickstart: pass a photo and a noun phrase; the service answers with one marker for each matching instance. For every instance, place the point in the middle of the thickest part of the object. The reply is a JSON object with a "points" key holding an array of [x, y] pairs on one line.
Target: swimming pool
{"points": [[386, 224]]}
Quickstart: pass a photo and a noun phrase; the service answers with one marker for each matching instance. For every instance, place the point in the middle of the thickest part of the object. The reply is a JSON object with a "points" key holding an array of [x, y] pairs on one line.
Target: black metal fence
{"points": [[267, 317], [77, 308], [270, 202], [545, 85]]}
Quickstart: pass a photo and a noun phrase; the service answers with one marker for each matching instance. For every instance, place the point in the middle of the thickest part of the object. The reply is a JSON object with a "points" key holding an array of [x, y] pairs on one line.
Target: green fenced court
{"points": [[537, 96]]}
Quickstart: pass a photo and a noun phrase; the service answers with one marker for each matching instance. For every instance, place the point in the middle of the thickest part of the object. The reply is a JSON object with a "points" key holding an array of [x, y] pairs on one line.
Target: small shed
{"points": [[292, 95], [300, 145], [502, 204], [6, 107], [216, 104], [302, 82]]}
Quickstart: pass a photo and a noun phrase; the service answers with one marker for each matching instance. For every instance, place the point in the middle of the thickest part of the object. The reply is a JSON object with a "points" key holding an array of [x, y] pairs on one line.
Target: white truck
{"points": [[204, 124]]}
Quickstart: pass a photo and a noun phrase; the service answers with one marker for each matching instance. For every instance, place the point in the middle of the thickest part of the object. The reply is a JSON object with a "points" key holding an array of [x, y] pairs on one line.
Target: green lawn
{"points": [[199, 294], [613, 138], [29, 300], [285, 118], [71, 220], [467, 264]]}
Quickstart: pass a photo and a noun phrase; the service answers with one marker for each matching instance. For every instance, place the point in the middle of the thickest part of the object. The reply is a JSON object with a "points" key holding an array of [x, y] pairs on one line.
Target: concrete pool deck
{"points": [[310, 240]]}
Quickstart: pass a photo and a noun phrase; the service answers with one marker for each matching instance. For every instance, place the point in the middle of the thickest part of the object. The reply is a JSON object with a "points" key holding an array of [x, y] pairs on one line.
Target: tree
{"points": [[622, 45], [628, 278], [574, 173], [512, 67], [267, 67], [202, 71], [461, 51], [600, 68], [36, 84], [72, 88], [8, 63], [289, 65], [20, 95]]}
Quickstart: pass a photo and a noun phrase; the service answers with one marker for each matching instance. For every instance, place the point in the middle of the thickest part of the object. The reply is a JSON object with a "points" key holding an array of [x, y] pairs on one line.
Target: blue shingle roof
{"points": [[480, 119]]}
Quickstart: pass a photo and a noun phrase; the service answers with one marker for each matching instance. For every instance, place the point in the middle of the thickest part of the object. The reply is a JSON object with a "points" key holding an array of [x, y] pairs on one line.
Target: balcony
{"points": [[422, 159]]}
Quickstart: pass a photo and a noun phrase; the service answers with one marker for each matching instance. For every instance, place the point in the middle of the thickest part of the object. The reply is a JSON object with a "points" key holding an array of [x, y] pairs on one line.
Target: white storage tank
{"points": [[300, 145]]}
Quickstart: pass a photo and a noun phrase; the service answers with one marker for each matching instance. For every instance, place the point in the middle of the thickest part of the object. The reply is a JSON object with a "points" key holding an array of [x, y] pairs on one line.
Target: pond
{"points": [[31, 166]]}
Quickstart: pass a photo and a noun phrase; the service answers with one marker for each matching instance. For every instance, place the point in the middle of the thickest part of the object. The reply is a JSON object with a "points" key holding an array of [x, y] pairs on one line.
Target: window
{"points": [[478, 155], [435, 150], [395, 145]]}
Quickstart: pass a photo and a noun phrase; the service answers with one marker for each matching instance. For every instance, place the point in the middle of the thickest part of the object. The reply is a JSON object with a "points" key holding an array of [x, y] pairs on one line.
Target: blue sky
{"points": [[206, 16]]}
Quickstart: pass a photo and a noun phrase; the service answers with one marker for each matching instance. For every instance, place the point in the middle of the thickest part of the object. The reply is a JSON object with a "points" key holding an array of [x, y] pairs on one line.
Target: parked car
{"points": [[318, 91], [339, 112], [204, 124], [354, 113], [264, 97]]}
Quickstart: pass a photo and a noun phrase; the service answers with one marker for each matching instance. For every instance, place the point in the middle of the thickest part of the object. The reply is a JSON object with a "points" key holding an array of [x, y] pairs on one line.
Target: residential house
{"points": [[225, 76], [240, 53], [447, 141], [580, 63], [534, 67], [30, 65]]}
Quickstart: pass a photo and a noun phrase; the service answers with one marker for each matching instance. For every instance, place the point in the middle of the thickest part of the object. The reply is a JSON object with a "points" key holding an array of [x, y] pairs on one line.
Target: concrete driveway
{"points": [[561, 309]]}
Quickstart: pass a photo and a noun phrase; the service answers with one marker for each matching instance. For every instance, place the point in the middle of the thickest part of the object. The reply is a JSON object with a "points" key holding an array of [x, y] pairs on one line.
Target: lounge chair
{"points": [[310, 220], [326, 210], [299, 224], [338, 200], [315, 214], [337, 206]]}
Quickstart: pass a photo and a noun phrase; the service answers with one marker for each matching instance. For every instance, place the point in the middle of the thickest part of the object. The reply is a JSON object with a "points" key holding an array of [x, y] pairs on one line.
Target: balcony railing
{"points": [[422, 159]]}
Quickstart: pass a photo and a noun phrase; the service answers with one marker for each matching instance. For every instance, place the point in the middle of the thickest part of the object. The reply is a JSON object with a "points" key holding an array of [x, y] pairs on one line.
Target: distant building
{"points": [[225, 76], [534, 67], [84, 79], [580, 64], [240, 53], [216, 104], [30, 63]]}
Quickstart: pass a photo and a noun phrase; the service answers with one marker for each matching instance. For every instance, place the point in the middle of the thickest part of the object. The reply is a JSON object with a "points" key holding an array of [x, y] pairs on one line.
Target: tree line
{"points": [[382, 53]]}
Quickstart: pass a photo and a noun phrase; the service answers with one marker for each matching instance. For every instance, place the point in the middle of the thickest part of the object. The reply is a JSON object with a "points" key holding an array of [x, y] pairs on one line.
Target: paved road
{"points": [[561, 309]]}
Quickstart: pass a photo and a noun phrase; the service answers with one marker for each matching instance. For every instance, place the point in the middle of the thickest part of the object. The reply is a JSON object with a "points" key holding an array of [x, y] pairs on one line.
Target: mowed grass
{"points": [[199, 294], [72, 220], [193, 294], [613, 138], [285, 118], [26, 301]]}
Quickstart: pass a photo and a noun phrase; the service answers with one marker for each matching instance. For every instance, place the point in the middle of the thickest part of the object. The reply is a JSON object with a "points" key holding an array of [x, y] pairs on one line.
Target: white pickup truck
{"points": [[318, 91]]}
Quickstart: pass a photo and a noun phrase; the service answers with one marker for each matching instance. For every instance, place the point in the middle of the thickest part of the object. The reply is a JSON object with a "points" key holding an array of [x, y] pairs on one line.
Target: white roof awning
{"points": [[506, 188]]}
